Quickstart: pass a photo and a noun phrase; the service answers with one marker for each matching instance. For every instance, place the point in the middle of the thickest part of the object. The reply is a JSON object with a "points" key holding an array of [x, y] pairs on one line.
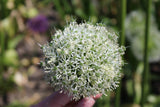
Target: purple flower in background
{"points": [[38, 24]]}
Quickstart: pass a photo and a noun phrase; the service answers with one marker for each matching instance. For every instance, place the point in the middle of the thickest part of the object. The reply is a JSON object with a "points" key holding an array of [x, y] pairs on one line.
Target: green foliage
{"points": [[10, 58], [6, 84], [104, 101], [8, 43], [17, 104], [14, 42]]}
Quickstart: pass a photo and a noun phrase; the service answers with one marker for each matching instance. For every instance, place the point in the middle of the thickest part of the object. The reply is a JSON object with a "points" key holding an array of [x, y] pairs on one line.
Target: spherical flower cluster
{"points": [[135, 27], [38, 24], [83, 60]]}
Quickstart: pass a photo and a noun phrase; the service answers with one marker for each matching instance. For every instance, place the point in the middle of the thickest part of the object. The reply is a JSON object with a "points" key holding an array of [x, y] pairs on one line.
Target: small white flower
{"points": [[59, 50], [66, 51]]}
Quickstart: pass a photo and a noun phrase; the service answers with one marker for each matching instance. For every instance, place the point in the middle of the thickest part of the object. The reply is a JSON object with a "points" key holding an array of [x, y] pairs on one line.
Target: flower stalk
{"points": [[122, 43], [145, 78]]}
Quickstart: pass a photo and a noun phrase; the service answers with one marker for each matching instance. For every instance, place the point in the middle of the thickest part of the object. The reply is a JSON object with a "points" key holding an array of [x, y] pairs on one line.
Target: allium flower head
{"points": [[38, 24], [83, 60], [135, 27]]}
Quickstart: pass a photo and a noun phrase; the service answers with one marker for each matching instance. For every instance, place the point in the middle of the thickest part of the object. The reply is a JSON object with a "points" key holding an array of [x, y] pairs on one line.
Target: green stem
{"points": [[145, 79], [2, 46], [108, 100], [2, 4], [122, 22], [59, 8], [67, 7], [122, 42], [118, 96], [137, 84], [4, 12]]}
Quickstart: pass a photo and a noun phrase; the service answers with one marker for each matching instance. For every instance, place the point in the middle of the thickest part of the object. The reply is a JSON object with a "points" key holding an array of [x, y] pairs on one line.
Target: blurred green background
{"points": [[26, 23]]}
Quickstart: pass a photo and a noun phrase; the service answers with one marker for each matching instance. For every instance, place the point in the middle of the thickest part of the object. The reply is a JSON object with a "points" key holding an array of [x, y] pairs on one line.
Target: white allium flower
{"points": [[83, 60], [135, 27]]}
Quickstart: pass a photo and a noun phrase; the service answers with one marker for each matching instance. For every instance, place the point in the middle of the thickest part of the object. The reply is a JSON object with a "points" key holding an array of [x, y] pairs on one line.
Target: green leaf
{"points": [[14, 42]]}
